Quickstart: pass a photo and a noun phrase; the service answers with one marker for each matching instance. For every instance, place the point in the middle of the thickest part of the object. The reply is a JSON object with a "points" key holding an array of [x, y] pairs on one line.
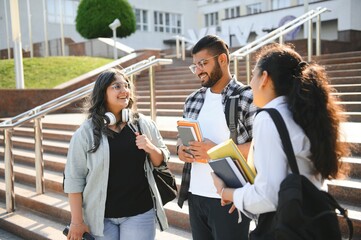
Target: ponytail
{"points": [[310, 101]]}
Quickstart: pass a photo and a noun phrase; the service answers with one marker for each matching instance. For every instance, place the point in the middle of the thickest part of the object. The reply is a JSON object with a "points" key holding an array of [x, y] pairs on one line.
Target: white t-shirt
{"points": [[214, 127]]}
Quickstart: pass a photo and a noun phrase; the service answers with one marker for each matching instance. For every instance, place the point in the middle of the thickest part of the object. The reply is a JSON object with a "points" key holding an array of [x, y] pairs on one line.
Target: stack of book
{"points": [[230, 165], [189, 130]]}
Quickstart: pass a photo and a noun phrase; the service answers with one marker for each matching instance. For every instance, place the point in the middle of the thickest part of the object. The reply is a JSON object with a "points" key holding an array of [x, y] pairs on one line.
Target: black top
{"points": [[128, 192]]}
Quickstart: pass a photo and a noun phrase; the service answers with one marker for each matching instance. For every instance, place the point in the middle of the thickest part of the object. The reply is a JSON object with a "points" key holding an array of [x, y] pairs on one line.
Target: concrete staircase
{"points": [[174, 83], [45, 216]]}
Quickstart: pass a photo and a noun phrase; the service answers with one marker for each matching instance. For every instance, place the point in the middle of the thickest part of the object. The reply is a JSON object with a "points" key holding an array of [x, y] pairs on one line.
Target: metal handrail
{"points": [[278, 33], [38, 112]]}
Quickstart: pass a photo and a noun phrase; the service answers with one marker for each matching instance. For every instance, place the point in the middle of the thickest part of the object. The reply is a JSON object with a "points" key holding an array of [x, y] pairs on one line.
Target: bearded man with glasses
{"points": [[208, 219]]}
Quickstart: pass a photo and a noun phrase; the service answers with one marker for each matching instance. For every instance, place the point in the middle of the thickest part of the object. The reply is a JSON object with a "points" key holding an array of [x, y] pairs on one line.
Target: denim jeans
{"points": [[139, 227]]}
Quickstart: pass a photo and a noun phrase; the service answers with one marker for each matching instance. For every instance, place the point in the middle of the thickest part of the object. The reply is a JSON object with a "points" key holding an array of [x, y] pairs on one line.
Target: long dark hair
{"points": [[311, 103], [97, 107]]}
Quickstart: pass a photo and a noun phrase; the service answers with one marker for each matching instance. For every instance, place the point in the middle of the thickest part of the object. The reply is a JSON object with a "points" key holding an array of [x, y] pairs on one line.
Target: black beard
{"points": [[214, 76]]}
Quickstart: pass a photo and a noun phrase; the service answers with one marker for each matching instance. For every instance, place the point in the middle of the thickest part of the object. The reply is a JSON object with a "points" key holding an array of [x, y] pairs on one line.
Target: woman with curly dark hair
{"points": [[109, 193], [301, 94]]}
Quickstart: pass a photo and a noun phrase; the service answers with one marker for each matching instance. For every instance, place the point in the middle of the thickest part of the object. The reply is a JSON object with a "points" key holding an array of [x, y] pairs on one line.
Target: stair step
{"points": [[49, 134], [343, 66], [345, 80], [52, 162], [351, 106], [28, 225], [337, 60], [167, 92], [5, 235], [354, 213], [354, 166], [26, 175], [344, 72], [348, 190], [49, 146]]}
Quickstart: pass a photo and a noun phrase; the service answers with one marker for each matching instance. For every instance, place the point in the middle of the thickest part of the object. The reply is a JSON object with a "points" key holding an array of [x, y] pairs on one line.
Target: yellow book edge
{"points": [[229, 149]]}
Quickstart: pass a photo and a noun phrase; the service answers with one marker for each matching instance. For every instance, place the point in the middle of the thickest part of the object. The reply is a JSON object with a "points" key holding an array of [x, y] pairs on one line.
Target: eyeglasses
{"points": [[200, 64], [119, 85]]}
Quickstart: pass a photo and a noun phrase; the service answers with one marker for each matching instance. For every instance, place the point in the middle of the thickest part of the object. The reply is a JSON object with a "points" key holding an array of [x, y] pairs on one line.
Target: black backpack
{"points": [[231, 110], [303, 212]]}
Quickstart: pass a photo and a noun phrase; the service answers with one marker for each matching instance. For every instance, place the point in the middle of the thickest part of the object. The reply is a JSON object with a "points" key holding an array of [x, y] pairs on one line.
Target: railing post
{"points": [[131, 79], [248, 67], [152, 94], [177, 46], [309, 42], [318, 35], [281, 39], [39, 162], [235, 66], [183, 49], [9, 171]]}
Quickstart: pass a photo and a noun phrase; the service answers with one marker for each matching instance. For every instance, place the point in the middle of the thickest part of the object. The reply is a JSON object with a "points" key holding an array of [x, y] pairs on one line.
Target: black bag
{"points": [[166, 184], [164, 180], [303, 212]]}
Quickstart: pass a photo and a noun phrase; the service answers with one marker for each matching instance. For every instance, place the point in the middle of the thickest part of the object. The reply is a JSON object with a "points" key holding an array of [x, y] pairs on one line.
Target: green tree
{"points": [[94, 16]]}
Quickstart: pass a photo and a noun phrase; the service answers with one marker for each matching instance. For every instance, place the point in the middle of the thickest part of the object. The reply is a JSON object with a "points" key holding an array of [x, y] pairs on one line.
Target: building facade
{"points": [[158, 21]]}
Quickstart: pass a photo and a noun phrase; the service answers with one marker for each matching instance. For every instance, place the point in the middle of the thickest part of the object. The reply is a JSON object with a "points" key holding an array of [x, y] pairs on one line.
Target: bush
{"points": [[94, 16]]}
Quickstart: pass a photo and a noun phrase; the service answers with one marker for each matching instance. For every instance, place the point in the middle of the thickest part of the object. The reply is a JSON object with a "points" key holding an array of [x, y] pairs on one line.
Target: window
{"points": [[167, 22], [211, 19], [141, 19], [302, 1], [277, 4], [69, 8], [233, 12], [254, 8]]}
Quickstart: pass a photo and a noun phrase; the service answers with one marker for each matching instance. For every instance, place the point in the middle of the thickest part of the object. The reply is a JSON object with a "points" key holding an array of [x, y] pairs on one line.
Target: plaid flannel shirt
{"points": [[193, 106]]}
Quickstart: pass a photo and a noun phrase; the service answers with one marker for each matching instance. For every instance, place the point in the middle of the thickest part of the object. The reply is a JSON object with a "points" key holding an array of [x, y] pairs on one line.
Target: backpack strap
{"points": [[231, 111], [287, 146], [285, 137]]}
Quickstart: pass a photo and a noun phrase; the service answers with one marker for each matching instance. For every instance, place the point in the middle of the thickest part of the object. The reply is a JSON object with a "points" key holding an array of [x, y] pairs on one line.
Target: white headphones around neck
{"points": [[111, 120]]}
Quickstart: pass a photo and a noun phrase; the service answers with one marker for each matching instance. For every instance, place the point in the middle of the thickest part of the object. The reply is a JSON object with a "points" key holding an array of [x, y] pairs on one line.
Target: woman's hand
{"points": [[76, 231], [144, 143], [222, 190], [218, 183], [154, 153]]}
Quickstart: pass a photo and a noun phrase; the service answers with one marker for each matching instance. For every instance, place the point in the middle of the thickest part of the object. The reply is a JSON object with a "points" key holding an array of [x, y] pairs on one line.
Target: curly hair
{"points": [[97, 106], [311, 103]]}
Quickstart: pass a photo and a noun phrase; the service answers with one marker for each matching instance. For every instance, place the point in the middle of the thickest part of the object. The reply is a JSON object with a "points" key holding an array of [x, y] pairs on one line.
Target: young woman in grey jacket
{"points": [[105, 174]]}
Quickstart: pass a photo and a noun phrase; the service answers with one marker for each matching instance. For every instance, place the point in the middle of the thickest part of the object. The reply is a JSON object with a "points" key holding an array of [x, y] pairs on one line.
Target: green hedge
{"points": [[94, 16]]}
